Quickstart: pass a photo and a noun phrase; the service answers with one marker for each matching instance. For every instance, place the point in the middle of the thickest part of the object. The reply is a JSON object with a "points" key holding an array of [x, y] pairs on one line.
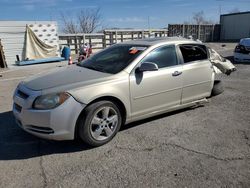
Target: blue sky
{"points": [[121, 13]]}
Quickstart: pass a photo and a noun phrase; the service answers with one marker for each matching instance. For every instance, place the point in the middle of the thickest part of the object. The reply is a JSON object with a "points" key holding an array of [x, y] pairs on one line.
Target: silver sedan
{"points": [[121, 84]]}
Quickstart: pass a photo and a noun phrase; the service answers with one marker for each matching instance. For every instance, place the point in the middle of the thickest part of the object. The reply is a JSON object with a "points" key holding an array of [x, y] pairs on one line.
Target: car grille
{"points": [[22, 94], [17, 107]]}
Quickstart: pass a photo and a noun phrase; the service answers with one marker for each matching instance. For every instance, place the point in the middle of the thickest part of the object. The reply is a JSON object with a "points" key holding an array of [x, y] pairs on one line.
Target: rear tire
{"points": [[217, 88], [99, 123]]}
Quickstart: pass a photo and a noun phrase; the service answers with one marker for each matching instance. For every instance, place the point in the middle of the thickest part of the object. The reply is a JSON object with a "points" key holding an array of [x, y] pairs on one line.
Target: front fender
{"points": [[119, 90]]}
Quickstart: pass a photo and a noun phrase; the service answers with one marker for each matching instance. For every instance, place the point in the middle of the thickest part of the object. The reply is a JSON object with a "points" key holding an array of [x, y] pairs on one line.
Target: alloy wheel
{"points": [[104, 123]]}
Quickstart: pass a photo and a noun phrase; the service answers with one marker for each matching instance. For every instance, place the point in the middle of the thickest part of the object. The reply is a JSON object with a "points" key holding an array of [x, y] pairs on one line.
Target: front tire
{"points": [[100, 123]]}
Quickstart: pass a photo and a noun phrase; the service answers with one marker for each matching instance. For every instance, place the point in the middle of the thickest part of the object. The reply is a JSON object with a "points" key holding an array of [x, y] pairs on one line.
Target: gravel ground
{"points": [[207, 146]]}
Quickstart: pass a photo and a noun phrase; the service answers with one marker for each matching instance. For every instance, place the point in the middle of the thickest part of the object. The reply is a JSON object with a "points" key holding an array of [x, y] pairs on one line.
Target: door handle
{"points": [[176, 73]]}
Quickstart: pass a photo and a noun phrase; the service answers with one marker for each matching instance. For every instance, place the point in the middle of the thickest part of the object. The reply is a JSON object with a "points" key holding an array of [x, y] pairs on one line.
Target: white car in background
{"points": [[242, 51]]}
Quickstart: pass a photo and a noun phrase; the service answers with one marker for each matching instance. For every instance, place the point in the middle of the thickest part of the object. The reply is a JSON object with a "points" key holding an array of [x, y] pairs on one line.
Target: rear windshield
{"points": [[245, 42], [114, 59]]}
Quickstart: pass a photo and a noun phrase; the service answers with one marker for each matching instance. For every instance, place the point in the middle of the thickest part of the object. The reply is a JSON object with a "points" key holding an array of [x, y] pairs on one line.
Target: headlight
{"points": [[50, 101]]}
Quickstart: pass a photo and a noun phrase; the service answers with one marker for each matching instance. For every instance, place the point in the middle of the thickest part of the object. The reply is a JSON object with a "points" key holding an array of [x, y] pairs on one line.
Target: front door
{"points": [[154, 91]]}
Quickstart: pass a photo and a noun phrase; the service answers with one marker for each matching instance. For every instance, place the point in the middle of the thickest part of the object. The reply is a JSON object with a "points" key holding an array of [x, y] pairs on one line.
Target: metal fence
{"points": [[205, 33], [107, 38]]}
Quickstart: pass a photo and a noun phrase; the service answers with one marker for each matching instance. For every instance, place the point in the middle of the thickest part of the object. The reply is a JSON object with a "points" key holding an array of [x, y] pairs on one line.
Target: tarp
{"points": [[34, 48]]}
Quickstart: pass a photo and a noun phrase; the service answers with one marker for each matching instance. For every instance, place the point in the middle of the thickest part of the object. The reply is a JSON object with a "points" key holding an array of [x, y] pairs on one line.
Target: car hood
{"points": [[65, 77]]}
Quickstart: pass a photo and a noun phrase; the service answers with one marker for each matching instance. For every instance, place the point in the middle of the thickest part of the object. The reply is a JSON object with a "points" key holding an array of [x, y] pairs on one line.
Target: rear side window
{"points": [[193, 52], [163, 56]]}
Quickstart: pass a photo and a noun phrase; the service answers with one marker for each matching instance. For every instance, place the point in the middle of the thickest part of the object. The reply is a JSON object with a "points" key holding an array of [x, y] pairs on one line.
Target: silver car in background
{"points": [[242, 51], [121, 84]]}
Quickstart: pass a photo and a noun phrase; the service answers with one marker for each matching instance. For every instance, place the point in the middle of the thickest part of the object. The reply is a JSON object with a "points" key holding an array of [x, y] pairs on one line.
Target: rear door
{"points": [[197, 72]]}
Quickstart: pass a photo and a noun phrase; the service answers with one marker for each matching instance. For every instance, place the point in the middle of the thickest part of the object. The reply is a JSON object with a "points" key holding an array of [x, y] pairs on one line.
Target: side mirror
{"points": [[147, 66]]}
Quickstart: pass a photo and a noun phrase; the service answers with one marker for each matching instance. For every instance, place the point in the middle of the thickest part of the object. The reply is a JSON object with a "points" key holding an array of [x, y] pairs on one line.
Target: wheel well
{"points": [[117, 101]]}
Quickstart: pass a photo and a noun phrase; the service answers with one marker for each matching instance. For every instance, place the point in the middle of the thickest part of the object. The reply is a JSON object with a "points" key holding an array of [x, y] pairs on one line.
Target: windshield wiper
{"points": [[96, 67], [91, 67]]}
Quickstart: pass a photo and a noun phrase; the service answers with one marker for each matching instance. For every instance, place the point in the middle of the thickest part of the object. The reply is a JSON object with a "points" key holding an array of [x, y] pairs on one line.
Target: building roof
{"points": [[236, 13]]}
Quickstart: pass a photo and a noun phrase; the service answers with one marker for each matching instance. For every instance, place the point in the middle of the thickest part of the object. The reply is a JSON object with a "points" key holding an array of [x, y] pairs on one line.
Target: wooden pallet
{"points": [[3, 63]]}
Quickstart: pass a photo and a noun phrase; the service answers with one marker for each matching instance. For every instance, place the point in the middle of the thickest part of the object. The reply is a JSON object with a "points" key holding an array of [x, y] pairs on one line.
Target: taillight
{"points": [[237, 48], [240, 49]]}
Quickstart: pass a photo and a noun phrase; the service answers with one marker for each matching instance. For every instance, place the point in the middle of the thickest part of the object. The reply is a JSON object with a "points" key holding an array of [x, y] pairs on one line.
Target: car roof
{"points": [[158, 40]]}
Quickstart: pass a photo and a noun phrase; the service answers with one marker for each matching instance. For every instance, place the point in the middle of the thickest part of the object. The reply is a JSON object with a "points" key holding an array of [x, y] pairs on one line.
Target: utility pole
{"points": [[219, 9], [149, 32], [219, 12]]}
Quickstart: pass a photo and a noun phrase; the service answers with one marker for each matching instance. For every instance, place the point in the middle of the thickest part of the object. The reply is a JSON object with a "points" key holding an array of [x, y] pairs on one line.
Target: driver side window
{"points": [[163, 56]]}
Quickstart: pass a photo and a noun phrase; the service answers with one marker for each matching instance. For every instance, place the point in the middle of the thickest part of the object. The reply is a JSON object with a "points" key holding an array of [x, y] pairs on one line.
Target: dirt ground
{"points": [[207, 146]]}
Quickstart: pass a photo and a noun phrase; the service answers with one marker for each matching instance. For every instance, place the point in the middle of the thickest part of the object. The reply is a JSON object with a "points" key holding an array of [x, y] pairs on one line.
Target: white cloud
{"points": [[136, 7], [184, 5], [31, 5], [127, 19]]}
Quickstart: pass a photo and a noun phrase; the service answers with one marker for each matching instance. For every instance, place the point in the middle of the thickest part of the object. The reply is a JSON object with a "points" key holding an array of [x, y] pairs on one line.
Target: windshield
{"points": [[114, 59]]}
